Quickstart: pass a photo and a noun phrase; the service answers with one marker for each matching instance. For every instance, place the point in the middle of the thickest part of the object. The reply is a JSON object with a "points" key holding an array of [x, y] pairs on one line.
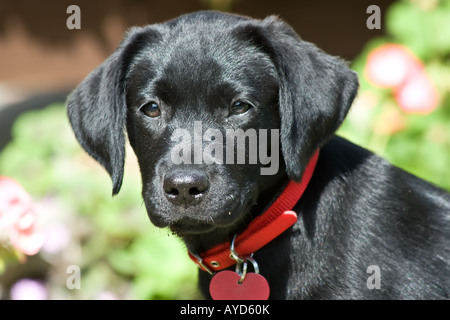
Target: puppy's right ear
{"points": [[316, 90], [97, 107]]}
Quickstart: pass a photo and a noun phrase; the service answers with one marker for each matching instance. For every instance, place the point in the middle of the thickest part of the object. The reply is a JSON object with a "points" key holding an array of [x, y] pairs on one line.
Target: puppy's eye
{"points": [[239, 107], [150, 109]]}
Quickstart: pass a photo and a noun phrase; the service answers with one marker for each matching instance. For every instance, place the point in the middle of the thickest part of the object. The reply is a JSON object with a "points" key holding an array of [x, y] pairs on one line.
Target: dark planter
{"points": [[9, 113]]}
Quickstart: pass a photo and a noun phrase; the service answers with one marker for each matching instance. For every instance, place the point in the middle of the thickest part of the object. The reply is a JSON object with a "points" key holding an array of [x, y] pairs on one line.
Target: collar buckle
{"points": [[200, 263]]}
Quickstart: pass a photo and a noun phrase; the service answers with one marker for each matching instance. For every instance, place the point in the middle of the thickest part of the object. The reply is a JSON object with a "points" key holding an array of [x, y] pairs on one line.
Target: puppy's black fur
{"points": [[358, 210]]}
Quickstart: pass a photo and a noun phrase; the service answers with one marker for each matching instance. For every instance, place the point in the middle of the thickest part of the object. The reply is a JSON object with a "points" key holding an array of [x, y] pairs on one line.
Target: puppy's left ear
{"points": [[316, 91], [97, 107]]}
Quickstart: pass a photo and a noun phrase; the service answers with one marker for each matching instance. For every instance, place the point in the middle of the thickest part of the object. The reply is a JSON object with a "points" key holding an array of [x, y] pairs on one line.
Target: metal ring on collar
{"points": [[233, 254]]}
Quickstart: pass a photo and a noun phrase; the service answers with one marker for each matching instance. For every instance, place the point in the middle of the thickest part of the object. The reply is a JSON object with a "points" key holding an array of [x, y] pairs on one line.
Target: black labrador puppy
{"points": [[185, 92]]}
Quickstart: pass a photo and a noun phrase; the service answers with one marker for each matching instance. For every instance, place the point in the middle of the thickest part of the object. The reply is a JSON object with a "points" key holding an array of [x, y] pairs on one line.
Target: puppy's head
{"points": [[189, 92]]}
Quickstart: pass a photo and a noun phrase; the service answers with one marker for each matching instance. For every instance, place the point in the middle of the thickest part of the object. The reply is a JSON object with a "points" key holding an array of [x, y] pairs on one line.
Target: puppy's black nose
{"points": [[185, 187]]}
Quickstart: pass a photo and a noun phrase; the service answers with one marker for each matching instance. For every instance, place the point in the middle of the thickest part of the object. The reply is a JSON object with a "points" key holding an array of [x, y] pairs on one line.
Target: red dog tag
{"points": [[225, 286]]}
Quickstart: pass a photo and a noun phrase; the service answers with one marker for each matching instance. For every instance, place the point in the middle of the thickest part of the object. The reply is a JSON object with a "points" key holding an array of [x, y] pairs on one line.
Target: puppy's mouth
{"points": [[191, 227], [225, 220]]}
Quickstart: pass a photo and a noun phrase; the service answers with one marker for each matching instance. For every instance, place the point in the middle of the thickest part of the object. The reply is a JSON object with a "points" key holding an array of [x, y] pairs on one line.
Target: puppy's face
{"points": [[186, 94], [217, 108]]}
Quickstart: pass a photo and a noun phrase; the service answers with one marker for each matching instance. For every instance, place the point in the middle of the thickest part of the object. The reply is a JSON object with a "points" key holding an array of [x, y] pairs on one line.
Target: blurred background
{"points": [[71, 240]]}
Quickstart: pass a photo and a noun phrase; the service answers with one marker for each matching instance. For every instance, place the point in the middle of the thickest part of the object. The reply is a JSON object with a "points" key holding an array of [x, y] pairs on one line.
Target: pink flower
{"points": [[28, 289], [417, 95], [18, 218], [389, 65], [57, 237], [106, 295], [394, 66]]}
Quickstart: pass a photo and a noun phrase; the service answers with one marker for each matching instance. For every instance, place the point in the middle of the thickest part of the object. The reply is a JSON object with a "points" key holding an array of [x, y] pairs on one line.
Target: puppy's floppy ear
{"points": [[316, 91], [97, 107]]}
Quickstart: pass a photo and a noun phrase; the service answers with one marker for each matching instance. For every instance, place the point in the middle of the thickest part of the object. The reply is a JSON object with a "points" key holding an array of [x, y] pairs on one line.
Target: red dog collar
{"points": [[263, 229]]}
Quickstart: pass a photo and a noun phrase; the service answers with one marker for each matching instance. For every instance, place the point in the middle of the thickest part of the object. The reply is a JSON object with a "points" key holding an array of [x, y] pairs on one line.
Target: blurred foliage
{"points": [[112, 240], [418, 143]]}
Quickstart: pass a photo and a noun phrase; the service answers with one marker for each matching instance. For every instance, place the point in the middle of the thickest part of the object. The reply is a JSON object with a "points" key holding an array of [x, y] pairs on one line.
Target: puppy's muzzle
{"points": [[185, 187]]}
